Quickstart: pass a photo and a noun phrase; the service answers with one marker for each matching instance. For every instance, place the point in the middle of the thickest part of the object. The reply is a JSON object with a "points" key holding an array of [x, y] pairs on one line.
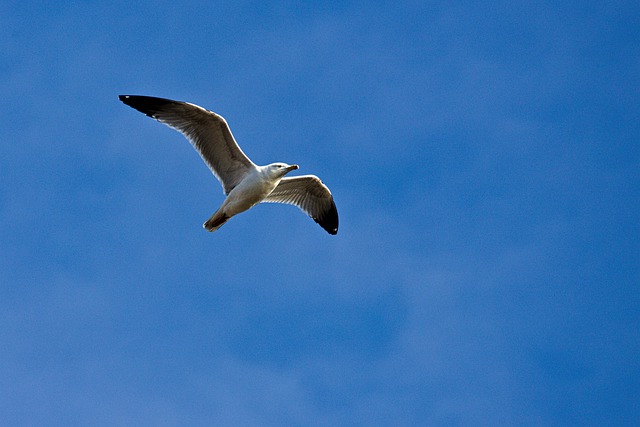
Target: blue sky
{"points": [[485, 161]]}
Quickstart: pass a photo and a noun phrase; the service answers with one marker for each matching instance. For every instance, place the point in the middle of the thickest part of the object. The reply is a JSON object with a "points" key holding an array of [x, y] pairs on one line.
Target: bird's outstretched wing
{"points": [[309, 194], [207, 131]]}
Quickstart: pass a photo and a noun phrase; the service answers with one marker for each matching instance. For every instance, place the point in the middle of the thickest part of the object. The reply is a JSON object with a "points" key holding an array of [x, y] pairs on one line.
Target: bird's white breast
{"points": [[252, 190]]}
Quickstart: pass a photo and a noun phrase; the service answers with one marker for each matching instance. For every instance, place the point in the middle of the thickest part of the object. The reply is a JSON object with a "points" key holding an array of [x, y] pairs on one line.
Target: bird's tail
{"points": [[216, 221]]}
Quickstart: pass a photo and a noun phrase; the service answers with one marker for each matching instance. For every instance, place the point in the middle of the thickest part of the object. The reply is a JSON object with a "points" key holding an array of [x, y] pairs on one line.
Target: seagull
{"points": [[244, 183]]}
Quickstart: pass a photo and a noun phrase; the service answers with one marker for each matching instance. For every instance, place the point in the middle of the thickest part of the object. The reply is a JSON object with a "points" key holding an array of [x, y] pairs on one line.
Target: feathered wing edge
{"points": [[308, 193], [207, 131]]}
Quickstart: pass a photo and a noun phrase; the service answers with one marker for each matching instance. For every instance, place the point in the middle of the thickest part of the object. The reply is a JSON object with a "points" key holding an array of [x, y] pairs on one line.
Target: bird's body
{"points": [[245, 183], [253, 189]]}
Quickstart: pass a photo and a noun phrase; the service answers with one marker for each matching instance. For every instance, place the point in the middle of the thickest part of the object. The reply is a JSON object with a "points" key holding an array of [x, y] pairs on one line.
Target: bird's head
{"points": [[281, 169]]}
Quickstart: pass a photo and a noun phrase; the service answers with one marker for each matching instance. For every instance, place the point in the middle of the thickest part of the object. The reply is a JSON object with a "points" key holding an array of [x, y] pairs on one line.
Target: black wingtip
{"points": [[148, 105], [329, 219]]}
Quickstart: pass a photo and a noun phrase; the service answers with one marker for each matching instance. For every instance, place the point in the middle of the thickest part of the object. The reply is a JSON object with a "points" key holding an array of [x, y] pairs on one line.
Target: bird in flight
{"points": [[244, 183]]}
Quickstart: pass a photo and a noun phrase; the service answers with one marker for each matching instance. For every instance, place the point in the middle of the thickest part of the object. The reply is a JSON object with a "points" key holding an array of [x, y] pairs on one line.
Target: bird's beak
{"points": [[292, 168]]}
